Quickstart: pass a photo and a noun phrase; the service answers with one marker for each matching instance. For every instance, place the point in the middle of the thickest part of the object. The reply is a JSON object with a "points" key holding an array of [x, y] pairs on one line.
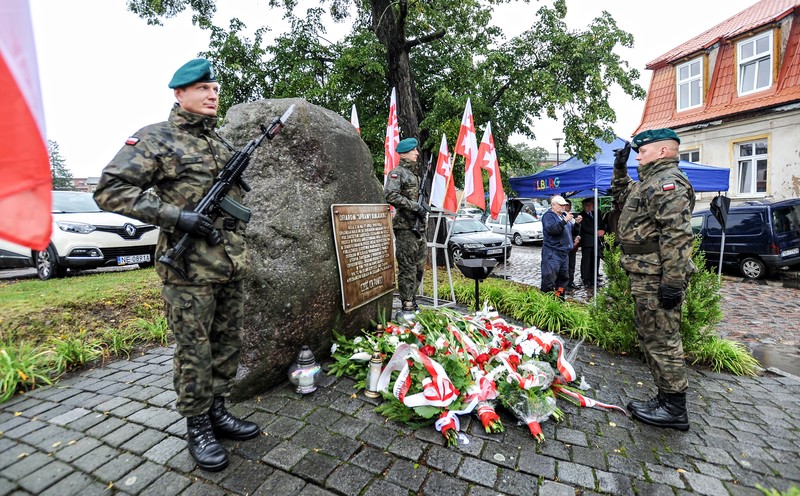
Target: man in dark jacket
{"points": [[589, 240], [557, 233]]}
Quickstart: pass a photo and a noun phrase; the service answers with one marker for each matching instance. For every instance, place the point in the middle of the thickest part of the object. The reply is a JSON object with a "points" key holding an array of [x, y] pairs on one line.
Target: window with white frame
{"points": [[753, 162], [755, 63], [690, 156], [689, 79]]}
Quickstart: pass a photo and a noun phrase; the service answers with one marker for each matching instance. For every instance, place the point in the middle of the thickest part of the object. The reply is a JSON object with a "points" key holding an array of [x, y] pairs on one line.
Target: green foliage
{"points": [[613, 314], [156, 331], [62, 177], [23, 368], [75, 351], [792, 491]]}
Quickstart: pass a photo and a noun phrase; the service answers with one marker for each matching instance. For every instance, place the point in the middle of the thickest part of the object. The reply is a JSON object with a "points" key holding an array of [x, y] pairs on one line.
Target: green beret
{"points": [[194, 71], [652, 136], [406, 145]]}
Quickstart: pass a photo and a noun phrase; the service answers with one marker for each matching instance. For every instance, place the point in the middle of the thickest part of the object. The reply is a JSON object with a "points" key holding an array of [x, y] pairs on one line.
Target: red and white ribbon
{"points": [[587, 402], [449, 420], [437, 390]]}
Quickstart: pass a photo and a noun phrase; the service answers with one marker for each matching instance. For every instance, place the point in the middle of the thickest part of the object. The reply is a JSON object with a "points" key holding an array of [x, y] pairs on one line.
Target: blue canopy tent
{"points": [[579, 179]]}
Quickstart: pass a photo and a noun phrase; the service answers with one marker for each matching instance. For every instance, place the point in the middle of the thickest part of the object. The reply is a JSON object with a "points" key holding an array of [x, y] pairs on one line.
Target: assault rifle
{"points": [[421, 201], [217, 197]]}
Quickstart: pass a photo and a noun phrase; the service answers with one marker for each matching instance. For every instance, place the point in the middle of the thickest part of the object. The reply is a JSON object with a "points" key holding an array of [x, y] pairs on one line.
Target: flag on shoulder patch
{"points": [[132, 140], [393, 175], [668, 187]]}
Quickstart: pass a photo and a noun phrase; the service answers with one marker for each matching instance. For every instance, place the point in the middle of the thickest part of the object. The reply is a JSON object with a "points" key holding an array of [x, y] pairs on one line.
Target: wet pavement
{"points": [[113, 430]]}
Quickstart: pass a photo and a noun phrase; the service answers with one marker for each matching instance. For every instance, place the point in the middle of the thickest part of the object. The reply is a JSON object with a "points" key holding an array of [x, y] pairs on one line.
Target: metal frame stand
{"points": [[439, 215]]}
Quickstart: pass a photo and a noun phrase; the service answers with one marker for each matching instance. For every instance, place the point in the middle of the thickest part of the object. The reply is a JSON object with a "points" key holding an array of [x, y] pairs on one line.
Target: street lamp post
{"points": [[558, 142]]}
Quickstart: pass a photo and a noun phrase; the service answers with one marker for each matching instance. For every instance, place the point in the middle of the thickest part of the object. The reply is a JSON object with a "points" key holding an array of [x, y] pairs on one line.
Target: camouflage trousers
{"points": [[659, 333], [207, 323], [411, 253]]}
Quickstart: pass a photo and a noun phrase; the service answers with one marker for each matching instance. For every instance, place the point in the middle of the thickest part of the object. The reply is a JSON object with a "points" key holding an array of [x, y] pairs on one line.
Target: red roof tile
{"points": [[760, 14], [722, 99]]}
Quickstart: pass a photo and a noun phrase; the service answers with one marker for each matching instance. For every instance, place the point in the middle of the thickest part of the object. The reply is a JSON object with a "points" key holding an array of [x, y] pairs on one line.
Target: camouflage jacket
{"points": [[655, 222], [178, 159], [402, 192]]}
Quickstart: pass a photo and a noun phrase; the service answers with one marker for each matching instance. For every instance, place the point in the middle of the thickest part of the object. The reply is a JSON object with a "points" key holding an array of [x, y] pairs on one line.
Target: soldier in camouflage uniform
{"points": [[402, 192], [179, 160], [655, 236]]}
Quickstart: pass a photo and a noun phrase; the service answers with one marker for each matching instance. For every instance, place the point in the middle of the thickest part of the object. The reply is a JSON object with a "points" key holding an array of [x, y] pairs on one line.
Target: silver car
{"points": [[526, 228], [84, 237]]}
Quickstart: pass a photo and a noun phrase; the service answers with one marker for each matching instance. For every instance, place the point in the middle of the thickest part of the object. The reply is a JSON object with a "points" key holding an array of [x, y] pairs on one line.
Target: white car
{"points": [[475, 213], [526, 228], [84, 237]]}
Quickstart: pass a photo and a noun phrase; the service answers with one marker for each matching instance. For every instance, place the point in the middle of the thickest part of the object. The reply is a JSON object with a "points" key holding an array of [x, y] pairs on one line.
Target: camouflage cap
{"points": [[653, 135], [406, 145], [194, 71]]}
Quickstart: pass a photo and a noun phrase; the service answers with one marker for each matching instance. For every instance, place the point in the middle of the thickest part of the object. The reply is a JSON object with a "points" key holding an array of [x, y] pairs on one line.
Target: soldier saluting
{"points": [[655, 235], [179, 159]]}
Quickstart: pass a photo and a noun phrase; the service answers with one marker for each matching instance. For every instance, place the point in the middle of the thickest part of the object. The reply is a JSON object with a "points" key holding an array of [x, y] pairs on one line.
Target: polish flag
{"points": [[443, 190], [487, 159], [391, 157], [354, 119], [467, 147], [25, 198]]}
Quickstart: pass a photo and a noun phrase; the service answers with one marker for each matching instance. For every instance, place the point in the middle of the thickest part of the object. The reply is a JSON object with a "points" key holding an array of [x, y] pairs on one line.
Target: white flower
{"points": [[393, 340], [357, 339], [530, 348], [334, 347], [440, 343]]}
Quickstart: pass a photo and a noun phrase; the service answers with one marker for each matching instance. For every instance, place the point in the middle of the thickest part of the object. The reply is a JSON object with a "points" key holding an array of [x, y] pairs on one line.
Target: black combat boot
{"points": [[646, 404], [227, 426], [670, 411], [203, 446]]}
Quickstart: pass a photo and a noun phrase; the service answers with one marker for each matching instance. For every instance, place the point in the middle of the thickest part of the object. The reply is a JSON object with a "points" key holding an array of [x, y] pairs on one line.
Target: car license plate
{"points": [[496, 251], [790, 252], [133, 259]]}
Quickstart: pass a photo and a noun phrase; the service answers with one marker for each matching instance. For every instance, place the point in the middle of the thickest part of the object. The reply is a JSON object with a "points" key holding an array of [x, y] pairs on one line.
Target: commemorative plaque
{"points": [[365, 252]]}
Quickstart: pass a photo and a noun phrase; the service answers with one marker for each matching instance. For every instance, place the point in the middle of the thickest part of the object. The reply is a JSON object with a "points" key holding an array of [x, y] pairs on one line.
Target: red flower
{"points": [[482, 358], [518, 349], [428, 350], [421, 338], [494, 351], [506, 345], [513, 360]]}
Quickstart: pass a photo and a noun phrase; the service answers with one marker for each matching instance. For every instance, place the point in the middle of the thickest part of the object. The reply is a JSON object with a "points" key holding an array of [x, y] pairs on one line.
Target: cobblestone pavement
{"points": [[113, 430]]}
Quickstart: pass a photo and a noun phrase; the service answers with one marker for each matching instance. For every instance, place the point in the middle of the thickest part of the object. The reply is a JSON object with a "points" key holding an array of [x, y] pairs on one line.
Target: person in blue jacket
{"points": [[557, 231]]}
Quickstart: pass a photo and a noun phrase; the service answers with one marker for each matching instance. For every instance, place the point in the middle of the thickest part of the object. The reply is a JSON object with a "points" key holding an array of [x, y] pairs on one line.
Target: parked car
{"points": [[474, 213], [526, 228], [760, 236], [470, 238], [84, 237]]}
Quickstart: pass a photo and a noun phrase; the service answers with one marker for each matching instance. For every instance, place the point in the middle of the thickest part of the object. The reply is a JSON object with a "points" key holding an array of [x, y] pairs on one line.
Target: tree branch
{"points": [[425, 39]]}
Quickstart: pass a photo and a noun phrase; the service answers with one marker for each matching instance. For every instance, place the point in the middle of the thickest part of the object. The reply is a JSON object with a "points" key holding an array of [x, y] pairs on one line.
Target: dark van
{"points": [[760, 236]]}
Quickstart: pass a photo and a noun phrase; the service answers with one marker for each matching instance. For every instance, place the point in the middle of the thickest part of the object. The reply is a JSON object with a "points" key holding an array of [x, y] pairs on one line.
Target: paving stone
{"points": [[315, 467], [407, 447], [372, 460], [127, 409], [49, 438], [6, 486], [588, 456], [45, 476], [24, 428], [163, 399], [96, 457], [247, 477], [349, 426], [664, 475], [25, 465], [622, 465], [106, 427], [284, 427], [166, 449], [254, 449], [168, 484], [297, 410], [555, 449], [616, 484], [478, 471], [135, 481], [348, 479], [501, 454], [535, 464], [551, 488], [280, 483], [573, 473], [83, 424], [74, 483], [143, 441], [312, 490], [117, 467], [443, 459], [285, 456], [123, 434], [516, 483], [323, 417], [438, 483], [571, 436], [380, 437], [703, 484], [407, 474], [156, 417]]}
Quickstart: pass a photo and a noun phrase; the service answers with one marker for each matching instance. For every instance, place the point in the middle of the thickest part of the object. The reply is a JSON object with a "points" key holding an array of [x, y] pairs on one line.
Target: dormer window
{"points": [[755, 63], [689, 81]]}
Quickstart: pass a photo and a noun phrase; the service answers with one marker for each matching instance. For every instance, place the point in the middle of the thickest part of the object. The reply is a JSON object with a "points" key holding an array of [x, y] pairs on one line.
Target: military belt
{"points": [[225, 223], [639, 249]]}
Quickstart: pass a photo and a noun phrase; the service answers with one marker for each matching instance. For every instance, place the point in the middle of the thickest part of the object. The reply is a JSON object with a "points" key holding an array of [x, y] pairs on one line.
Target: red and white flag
{"points": [[391, 158], [443, 189], [25, 198], [487, 159], [354, 119], [467, 147]]}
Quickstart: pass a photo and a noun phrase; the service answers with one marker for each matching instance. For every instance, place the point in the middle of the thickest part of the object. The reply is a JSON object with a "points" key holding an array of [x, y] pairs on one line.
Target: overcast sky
{"points": [[104, 71]]}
